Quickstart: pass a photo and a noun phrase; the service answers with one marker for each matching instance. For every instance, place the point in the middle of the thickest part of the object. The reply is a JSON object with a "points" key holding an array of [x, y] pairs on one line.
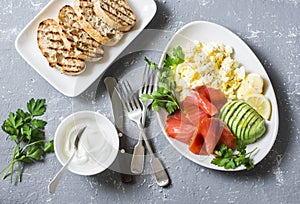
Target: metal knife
{"points": [[117, 107]]}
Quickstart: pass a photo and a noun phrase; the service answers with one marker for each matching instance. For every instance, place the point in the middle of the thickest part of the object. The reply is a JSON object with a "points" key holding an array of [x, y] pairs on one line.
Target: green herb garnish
{"points": [[176, 59], [28, 133], [165, 95], [228, 159]]}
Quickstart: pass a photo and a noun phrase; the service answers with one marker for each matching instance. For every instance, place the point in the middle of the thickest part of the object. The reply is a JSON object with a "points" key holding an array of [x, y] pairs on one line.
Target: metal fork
{"points": [[134, 112], [137, 161]]}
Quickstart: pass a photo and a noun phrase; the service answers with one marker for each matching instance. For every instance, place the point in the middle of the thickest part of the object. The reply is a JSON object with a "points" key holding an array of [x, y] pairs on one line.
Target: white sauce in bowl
{"points": [[97, 148], [94, 146]]}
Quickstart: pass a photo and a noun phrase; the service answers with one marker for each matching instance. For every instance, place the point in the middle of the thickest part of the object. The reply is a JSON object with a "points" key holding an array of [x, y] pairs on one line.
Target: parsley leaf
{"points": [[28, 133], [36, 107], [151, 64], [165, 95], [49, 147], [225, 157], [176, 59]]}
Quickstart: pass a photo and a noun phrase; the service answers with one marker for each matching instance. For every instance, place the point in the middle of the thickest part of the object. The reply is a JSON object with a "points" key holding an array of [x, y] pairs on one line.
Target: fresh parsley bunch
{"points": [[165, 95], [228, 159], [27, 131]]}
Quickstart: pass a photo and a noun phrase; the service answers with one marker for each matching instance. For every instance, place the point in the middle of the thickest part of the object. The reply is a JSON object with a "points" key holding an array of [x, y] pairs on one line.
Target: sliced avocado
{"points": [[257, 130], [232, 110], [256, 118], [225, 109], [235, 115], [241, 126], [250, 120], [245, 108]]}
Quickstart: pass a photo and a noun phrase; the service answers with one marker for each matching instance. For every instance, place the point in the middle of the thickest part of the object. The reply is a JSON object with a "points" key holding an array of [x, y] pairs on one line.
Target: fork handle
{"points": [[160, 174], [138, 156], [142, 132]]}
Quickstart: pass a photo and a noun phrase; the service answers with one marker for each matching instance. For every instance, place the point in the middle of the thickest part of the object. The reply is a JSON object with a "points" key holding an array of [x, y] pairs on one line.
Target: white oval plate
{"points": [[210, 32], [26, 45]]}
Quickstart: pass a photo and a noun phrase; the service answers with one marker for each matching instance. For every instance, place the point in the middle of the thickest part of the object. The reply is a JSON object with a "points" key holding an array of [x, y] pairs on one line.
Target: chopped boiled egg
{"points": [[209, 64]]}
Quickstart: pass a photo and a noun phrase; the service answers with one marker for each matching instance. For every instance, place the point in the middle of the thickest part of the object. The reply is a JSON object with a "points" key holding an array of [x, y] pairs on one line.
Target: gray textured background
{"points": [[270, 27]]}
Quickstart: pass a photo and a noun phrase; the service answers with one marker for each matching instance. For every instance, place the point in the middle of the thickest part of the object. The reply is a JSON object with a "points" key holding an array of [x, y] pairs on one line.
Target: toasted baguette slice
{"points": [[95, 26], [58, 52], [75, 34], [116, 13]]}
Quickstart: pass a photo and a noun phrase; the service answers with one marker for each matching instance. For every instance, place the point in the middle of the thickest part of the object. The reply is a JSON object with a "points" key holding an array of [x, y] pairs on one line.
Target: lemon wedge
{"points": [[252, 84], [260, 103]]}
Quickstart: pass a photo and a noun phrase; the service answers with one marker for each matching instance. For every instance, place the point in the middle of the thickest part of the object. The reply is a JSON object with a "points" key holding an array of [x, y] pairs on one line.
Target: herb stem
{"points": [[7, 168], [31, 144], [19, 171], [249, 153]]}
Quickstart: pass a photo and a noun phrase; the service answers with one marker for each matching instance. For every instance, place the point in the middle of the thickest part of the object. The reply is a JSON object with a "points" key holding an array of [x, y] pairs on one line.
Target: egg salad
{"points": [[210, 64]]}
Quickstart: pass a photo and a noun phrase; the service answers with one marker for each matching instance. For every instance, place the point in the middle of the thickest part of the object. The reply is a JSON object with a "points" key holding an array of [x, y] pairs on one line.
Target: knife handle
{"points": [[123, 159]]}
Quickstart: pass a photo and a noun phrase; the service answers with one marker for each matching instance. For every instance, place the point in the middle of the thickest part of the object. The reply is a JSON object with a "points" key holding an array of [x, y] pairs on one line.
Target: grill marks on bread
{"points": [[116, 13], [55, 49], [94, 25], [81, 31], [76, 35]]}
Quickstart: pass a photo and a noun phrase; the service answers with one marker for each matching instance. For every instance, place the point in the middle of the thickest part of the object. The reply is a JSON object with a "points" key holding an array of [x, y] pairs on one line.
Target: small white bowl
{"points": [[98, 146]]}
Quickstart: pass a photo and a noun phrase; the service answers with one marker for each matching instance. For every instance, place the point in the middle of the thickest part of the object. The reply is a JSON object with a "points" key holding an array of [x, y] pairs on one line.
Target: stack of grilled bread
{"points": [[80, 33]]}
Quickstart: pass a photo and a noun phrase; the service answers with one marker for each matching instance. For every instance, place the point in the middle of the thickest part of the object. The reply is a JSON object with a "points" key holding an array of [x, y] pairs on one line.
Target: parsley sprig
{"points": [[27, 132], [228, 159], [165, 95]]}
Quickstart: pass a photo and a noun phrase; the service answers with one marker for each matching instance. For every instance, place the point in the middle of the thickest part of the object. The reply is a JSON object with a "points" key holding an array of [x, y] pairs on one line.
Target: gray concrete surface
{"points": [[270, 27]]}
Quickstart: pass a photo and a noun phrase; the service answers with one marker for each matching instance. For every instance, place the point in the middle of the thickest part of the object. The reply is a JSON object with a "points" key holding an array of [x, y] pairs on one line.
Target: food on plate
{"points": [[94, 25], [68, 20], [82, 31], [116, 14], [229, 159], [194, 125], [211, 132], [204, 83], [59, 53], [210, 64], [243, 121], [179, 127], [261, 104], [252, 84]]}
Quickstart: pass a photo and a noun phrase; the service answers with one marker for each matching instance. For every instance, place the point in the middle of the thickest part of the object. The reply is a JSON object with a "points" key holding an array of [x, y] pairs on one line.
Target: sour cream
{"points": [[94, 147]]}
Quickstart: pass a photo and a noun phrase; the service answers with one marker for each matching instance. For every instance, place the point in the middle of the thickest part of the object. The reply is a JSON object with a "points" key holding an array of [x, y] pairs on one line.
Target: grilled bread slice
{"points": [[95, 26], [116, 13], [57, 50], [75, 34]]}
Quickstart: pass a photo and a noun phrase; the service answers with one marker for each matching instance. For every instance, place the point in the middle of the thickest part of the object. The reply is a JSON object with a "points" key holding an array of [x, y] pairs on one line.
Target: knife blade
{"points": [[111, 84]]}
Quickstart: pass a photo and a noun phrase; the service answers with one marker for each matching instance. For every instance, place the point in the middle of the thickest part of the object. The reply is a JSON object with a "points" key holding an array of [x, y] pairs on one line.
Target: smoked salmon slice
{"points": [[194, 124], [215, 133], [192, 111], [215, 96], [179, 127]]}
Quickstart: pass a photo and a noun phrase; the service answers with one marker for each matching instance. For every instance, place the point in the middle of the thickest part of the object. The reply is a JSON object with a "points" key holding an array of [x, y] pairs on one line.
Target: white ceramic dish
{"points": [[107, 133], [211, 32], [26, 45]]}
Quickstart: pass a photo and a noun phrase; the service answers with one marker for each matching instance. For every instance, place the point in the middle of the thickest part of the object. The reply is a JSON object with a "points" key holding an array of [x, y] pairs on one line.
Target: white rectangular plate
{"points": [[26, 45]]}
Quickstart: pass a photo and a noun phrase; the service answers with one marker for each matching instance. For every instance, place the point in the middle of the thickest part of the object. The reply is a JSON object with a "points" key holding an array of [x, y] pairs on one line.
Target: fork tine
{"points": [[144, 74], [147, 76], [134, 99], [137, 103], [151, 83], [124, 96]]}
